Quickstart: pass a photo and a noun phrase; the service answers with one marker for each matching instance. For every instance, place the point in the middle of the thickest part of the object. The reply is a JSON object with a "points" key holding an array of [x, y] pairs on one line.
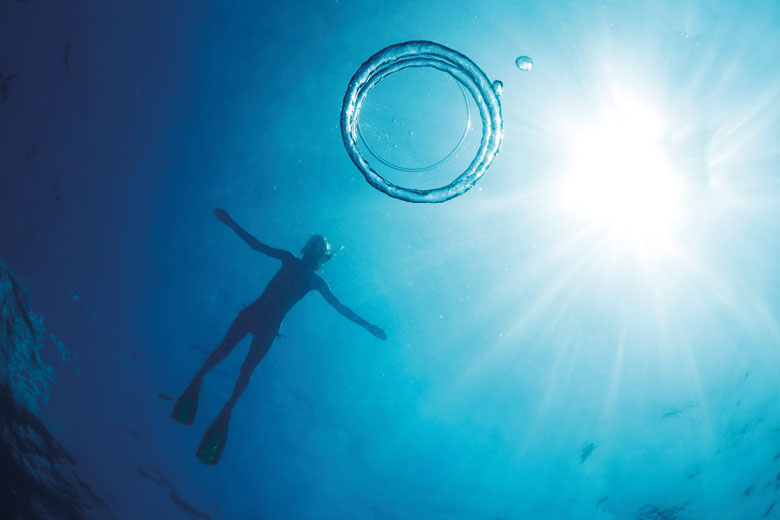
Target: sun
{"points": [[620, 179]]}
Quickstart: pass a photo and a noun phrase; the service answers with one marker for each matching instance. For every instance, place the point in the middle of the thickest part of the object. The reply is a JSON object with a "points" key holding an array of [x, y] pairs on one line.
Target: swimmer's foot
{"points": [[214, 440], [186, 406]]}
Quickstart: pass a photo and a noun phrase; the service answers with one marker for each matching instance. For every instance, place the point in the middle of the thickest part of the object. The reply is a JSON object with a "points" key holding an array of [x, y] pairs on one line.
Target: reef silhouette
{"points": [[38, 480]]}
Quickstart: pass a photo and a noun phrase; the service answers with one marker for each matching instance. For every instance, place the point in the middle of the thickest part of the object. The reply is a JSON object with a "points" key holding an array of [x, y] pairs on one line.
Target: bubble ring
{"points": [[432, 165], [425, 54]]}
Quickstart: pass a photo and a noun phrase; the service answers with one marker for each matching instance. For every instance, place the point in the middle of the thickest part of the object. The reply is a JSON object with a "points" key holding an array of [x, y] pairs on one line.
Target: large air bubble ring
{"points": [[424, 54]]}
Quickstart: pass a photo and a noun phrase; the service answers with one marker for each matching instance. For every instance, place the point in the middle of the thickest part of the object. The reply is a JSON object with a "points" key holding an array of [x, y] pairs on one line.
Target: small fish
{"points": [[586, 451], [651, 512], [30, 154], [149, 476], [602, 500], [173, 494], [132, 431], [748, 491], [769, 510], [165, 397], [185, 506], [777, 456], [672, 413], [4, 85]]}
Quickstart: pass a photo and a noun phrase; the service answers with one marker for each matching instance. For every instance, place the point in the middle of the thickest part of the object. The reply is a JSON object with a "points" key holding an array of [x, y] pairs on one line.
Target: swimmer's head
{"points": [[317, 251]]}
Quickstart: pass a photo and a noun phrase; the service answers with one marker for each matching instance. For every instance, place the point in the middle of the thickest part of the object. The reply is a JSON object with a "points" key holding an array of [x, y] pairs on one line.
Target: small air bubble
{"points": [[524, 63]]}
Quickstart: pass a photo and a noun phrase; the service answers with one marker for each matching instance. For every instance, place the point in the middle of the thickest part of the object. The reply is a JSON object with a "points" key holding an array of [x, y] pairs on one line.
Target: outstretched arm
{"points": [[347, 312], [254, 243]]}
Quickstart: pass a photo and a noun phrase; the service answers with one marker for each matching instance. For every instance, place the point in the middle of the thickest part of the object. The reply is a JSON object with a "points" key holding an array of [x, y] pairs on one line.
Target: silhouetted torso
{"points": [[286, 288]]}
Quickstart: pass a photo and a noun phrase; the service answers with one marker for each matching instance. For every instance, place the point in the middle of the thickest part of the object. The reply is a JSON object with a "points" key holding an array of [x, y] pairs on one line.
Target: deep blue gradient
{"points": [[534, 368]]}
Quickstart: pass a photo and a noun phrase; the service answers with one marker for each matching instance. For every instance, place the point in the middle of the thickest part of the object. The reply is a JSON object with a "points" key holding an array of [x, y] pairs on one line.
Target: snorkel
{"points": [[334, 253]]}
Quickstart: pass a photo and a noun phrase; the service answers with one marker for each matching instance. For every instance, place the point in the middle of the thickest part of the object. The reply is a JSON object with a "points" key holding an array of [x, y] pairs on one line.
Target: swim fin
{"points": [[186, 406], [214, 440]]}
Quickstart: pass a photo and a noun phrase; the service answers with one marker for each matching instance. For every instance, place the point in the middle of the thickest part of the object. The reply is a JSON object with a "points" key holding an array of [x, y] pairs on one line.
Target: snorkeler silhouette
{"points": [[262, 319]]}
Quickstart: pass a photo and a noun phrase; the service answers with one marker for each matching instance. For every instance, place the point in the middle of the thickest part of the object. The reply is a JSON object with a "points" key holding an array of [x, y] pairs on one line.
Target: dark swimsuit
{"points": [[291, 283]]}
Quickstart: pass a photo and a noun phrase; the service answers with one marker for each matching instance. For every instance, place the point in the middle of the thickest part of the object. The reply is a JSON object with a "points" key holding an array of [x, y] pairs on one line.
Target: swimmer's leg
{"points": [[186, 406], [215, 438]]}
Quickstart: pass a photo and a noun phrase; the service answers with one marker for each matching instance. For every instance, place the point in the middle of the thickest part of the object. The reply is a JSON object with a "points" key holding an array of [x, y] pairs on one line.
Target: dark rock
{"points": [[38, 478]]}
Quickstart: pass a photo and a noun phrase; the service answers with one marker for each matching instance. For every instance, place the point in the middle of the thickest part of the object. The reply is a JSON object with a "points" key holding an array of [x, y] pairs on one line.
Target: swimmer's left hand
{"points": [[222, 216]]}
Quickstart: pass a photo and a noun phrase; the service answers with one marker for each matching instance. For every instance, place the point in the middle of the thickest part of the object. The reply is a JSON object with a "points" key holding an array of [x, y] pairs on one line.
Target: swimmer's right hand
{"points": [[377, 332], [223, 216]]}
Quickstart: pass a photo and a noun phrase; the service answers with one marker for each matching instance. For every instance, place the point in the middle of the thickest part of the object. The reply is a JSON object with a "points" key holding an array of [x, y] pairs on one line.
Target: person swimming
{"points": [[262, 319]]}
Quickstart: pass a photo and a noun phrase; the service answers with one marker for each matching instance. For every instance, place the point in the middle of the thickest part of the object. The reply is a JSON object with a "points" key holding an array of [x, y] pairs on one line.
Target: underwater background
{"points": [[545, 359]]}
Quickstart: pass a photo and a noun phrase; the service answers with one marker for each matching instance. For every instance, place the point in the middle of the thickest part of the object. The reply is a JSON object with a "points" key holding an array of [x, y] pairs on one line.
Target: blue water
{"points": [[541, 362]]}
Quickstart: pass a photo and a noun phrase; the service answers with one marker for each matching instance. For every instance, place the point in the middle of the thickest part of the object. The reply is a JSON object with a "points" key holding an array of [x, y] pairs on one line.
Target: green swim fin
{"points": [[214, 440], [186, 406]]}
